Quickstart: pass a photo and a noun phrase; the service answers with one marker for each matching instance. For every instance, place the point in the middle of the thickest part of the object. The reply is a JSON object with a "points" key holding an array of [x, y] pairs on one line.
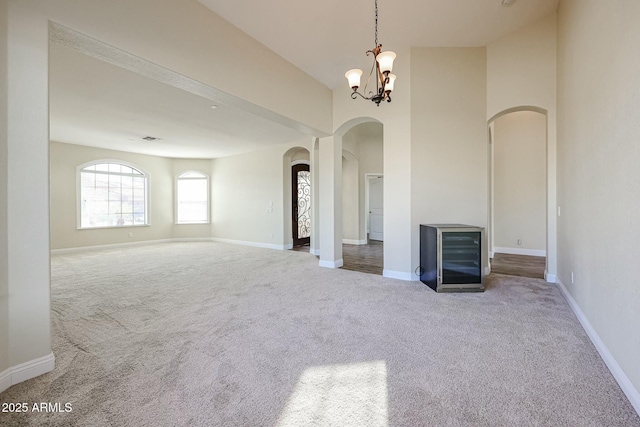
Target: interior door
{"points": [[301, 204], [376, 213]]}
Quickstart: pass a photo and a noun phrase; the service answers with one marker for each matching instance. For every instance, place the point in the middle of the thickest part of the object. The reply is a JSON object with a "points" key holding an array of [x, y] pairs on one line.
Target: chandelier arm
{"points": [[355, 94]]}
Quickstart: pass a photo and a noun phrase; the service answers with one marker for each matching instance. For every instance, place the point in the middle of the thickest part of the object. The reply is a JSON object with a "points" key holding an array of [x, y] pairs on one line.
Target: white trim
{"points": [[111, 246], [487, 270], [551, 278], [26, 371], [173, 240], [315, 252], [5, 379], [400, 275], [175, 196], [253, 244], [145, 174], [618, 373], [520, 251], [189, 239], [354, 242], [491, 254], [331, 264]]}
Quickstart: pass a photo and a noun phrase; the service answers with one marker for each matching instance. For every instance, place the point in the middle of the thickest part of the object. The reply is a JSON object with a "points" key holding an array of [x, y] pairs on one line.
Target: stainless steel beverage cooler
{"points": [[451, 257]]}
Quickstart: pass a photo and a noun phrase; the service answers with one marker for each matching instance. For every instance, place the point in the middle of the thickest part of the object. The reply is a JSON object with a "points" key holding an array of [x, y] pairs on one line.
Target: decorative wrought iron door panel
{"points": [[301, 203]]}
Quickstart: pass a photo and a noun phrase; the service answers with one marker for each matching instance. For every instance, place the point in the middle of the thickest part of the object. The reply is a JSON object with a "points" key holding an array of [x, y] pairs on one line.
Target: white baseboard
{"points": [[5, 379], [400, 275], [491, 253], [111, 246], [487, 271], [519, 251], [331, 264], [315, 252], [253, 244], [26, 371], [173, 240], [551, 278], [354, 242], [623, 381]]}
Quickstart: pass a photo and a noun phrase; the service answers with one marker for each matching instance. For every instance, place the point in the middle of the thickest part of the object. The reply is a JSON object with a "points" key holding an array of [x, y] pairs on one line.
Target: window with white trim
{"points": [[192, 198], [112, 194]]}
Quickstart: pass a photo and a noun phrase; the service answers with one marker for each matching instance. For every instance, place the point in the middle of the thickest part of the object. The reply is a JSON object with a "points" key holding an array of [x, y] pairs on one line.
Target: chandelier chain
{"points": [[376, 23]]}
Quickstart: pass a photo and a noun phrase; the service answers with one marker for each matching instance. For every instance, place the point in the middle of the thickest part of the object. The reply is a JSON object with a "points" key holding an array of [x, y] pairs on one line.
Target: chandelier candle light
{"points": [[382, 63]]}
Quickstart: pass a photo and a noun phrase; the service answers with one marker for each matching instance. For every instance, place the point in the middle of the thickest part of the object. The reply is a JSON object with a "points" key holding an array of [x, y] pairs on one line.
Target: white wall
{"points": [[598, 179], [448, 139], [27, 200], [519, 162], [65, 158], [244, 187], [364, 141], [350, 191], [396, 120], [4, 261], [521, 72], [200, 46]]}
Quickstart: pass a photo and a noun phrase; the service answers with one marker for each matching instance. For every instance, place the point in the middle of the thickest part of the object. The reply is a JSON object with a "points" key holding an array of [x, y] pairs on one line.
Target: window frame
{"points": [[176, 219], [145, 174]]}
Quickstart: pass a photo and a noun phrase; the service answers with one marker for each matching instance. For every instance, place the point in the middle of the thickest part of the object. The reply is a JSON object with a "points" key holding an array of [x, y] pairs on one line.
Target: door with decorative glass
{"points": [[301, 204]]}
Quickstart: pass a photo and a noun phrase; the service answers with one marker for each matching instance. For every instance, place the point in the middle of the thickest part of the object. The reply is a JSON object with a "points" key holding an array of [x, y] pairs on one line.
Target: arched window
{"points": [[192, 198], [112, 194]]}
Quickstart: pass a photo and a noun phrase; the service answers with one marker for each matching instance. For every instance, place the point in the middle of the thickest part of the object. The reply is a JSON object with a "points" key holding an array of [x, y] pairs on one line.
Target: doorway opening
{"points": [[518, 193], [301, 204], [363, 198]]}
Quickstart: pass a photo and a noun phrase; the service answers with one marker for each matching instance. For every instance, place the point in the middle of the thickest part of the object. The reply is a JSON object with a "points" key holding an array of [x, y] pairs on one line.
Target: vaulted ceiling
{"points": [[98, 104]]}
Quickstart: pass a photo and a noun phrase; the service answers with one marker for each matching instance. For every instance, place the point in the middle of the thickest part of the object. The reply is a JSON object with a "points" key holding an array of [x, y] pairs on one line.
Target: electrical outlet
{"points": [[558, 210], [271, 236], [519, 242], [572, 277]]}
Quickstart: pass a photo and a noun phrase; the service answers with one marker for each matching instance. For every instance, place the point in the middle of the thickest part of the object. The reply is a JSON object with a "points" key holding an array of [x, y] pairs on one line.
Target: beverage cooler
{"points": [[451, 257]]}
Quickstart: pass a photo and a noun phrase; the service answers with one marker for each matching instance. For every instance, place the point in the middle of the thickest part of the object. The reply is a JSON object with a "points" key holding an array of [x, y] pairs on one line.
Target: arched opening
{"points": [[297, 198], [362, 163], [518, 224]]}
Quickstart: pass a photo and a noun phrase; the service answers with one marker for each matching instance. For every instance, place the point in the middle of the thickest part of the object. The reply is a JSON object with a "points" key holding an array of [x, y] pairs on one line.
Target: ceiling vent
{"points": [[151, 138]]}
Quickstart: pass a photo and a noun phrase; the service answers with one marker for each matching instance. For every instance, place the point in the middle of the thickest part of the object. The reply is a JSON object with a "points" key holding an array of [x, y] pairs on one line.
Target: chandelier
{"points": [[382, 64]]}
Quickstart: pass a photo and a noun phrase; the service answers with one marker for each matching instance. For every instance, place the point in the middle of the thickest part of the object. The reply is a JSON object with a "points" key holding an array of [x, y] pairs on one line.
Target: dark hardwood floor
{"points": [[369, 259], [363, 258], [518, 265]]}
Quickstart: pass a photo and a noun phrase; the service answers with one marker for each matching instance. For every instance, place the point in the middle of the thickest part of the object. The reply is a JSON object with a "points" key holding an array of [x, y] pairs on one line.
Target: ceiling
{"points": [[99, 104], [325, 39]]}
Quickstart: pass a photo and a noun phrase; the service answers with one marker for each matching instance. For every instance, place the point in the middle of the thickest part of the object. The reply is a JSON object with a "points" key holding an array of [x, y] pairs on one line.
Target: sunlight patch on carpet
{"points": [[339, 395]]}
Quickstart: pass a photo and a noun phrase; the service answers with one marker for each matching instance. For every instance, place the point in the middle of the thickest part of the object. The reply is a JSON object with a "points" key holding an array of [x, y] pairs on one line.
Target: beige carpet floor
{"points": [[210, 334]]}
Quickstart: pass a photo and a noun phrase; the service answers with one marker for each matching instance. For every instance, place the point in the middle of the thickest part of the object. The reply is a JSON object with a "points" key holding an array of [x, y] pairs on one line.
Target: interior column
{"points": [[330, 203]]}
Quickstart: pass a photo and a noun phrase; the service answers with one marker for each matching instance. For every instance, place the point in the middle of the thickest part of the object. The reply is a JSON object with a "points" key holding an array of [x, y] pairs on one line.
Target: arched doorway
{"points": [[297, 198], [362, 161], [517, 229]]}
